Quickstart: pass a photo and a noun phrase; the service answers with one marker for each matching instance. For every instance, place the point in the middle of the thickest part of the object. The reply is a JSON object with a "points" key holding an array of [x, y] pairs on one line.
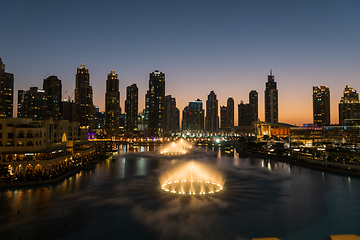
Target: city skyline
{"points": [[225, 47]]}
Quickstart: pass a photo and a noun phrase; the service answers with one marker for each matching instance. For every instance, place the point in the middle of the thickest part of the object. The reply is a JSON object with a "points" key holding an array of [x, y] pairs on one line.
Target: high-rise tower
{"points": [[6, 92], [172, 115], [112, 105], [131, 108], [349, 106], [230, 113], [321, 105], [83, 98], [193, 116], [253, 101], [212, 116], [53, 89], [271, 100], [156, 96]]}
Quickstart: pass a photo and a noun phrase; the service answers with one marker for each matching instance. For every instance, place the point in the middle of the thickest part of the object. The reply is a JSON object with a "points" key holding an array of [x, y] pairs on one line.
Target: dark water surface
{"points": [[123, 200]]}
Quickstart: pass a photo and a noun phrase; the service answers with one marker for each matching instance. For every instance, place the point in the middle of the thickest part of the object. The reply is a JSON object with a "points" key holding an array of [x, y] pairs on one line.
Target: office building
{"points": [[21, 95], [271, 100], [223, 117], [321, 106], [53, 89], [156, 98], [131, 108], [172, 115], [349, 106], [212, 116], [112, 105], [83, 98], [6, 92], [230, 113], [248, 112], [35, 104], [253, 101]]}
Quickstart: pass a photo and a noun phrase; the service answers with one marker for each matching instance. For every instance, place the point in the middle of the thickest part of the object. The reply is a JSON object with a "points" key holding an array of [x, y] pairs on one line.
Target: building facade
{"points": [[349, 106], [271, 100], [53, 89], [112, 105], [34, 104], [6, 92], [230, 113], [254, 103], [131, 108], [83, 98], [223, 117], [172, 115], [156, 98], [212, 116], [321, 106]]}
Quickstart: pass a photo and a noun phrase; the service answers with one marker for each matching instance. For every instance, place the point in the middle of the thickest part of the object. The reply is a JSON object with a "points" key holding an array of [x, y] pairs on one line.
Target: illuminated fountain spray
{"points": [[180, 147], [192, 178]]}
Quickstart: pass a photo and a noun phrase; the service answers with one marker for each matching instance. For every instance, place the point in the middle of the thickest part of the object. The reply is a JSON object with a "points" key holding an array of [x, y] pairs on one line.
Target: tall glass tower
{"points": [[112, 105], [156, 96], [271, 100]]}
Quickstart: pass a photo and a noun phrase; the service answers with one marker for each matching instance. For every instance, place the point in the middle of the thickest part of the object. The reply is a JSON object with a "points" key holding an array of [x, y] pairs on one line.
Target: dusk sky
{"points": [[225, 46]]}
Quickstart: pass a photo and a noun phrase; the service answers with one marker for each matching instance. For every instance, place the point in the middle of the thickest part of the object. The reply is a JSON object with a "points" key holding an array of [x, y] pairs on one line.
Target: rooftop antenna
{"points": [[270, 72]]}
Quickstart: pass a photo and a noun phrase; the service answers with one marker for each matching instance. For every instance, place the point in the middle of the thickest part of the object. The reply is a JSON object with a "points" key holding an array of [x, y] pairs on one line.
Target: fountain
{"points": [[192, 178], [180, 147]]}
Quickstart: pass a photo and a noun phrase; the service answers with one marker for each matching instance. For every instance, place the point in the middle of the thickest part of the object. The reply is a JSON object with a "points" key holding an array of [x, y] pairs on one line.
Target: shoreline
{"points": [[54, 180], [333, 167]]}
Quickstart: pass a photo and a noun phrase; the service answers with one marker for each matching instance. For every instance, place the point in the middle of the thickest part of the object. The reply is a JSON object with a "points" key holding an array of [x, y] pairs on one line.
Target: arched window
{"points": [[29, 134], [21, 134], [20, 143], [29, 143]]}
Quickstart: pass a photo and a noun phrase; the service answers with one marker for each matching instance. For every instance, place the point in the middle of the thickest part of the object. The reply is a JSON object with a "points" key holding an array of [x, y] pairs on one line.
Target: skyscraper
{"points": [[83, 98], [253, 101], [223, 117], [53, 89], [172, 115], [112, 105], [193, 116], [131, 108], [21, 95], [321, 106], [230, 113], [156, 96], [34, 104], [6, 91], [271, 100], [248, 112], [212, 116], [349, 106]]}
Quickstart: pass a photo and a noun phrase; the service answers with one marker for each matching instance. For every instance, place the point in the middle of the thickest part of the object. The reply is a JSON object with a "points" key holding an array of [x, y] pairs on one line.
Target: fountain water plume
{"points": [[180, 147], [192, 178]]}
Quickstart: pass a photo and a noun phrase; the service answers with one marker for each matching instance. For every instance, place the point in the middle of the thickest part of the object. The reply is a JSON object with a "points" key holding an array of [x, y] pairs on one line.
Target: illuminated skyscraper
{"points": [[131, 108], [172, 115], [53, 89], [253, 101], [321, 106], [248, 112], [193, 116], [349, 106], [223, 117], [156, 96], [6, 92], [21, 95], [212, 116], [112, 105], [271, 100], [34, 104], [230, 113], [83, 98]]}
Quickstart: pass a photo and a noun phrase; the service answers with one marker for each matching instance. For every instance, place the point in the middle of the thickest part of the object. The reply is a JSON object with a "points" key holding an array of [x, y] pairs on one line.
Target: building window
{"points": [[21, 134], [29, 134], [10, 135], [29, 143]]}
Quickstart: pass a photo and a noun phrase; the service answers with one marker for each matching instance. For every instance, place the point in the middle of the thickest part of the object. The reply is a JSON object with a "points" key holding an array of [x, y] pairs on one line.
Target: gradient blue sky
{"points": [[225, 46]]}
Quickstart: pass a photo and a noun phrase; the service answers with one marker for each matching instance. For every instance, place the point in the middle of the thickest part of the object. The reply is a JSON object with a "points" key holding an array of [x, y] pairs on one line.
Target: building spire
{"points": [[270, 72]]}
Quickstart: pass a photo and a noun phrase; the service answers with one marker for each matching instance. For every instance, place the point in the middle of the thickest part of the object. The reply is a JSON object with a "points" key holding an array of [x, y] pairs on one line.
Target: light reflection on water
{"points": [[284, 199]]}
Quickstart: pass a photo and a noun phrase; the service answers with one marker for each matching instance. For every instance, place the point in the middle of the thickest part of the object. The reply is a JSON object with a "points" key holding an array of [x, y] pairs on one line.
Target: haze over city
{"points": [[226, 46]]}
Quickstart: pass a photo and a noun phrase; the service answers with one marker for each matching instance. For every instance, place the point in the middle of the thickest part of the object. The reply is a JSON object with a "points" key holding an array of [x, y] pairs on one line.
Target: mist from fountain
{"points": [[180, 147], [192, 178]]}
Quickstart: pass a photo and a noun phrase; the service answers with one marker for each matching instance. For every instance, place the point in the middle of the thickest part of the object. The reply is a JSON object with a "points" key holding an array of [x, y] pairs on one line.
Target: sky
{"points": [[225, 46]]}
